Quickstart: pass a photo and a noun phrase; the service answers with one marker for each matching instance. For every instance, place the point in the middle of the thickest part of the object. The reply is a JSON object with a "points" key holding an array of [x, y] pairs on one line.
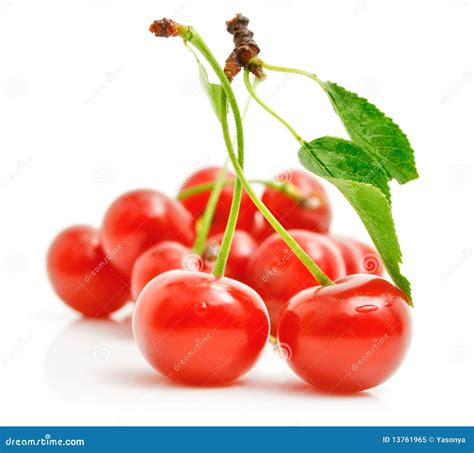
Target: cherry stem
{"points": [[285, 188], [228, 97], [224, 249], [253, 93], [312, 76], [204, 224], [313, 268], [190, 35], [255, 96], [216, 186]]}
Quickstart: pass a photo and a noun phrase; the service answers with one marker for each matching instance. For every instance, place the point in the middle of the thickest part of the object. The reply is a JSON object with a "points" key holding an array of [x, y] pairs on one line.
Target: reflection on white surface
{"points": [[85, 356], [95, 358], [96, 362]]}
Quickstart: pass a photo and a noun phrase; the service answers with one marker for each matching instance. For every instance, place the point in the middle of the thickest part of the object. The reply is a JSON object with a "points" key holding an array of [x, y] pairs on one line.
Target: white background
{"points": [[92, 105]]}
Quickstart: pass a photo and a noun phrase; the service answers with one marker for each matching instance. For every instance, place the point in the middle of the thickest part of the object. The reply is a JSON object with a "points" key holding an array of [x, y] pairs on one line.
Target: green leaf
{"points": [[371, 129], [371, 205], [346, 160], [214, 91]]}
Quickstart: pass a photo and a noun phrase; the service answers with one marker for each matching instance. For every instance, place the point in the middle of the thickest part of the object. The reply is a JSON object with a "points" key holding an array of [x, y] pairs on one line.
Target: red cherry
{"points": [[196, 204], [241, 249], [359, 257], [161, 258], [276, 273], [261, 229], [348, 337], [312, 214], [82, 275], [199, 329], [141, 219]]}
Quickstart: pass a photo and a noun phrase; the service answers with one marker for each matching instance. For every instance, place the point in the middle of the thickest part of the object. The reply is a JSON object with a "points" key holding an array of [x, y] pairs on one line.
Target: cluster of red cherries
{"points": [[199, 329]]}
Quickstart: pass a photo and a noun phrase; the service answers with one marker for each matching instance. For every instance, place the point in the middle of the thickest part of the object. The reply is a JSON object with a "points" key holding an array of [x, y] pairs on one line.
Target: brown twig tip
{"points": [[245, 48], [165, 28]]}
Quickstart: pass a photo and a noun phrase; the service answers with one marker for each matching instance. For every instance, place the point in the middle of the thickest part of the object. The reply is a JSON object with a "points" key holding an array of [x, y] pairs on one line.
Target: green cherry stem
{"points": [[224, 249], [215, 187], [254, 94], [270, 67], [200, 188], [168, 29], [228, 98], [237, 162], [285, 188], [204, 224], [315, 270]]}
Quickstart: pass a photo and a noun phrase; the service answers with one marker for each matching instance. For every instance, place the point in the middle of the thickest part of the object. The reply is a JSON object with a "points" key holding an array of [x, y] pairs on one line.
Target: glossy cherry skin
{"points": [[313, 214], [141, 219], [82, 275], [196, 204], [170, 255], [276, 273], [163, 257], [348, 337], [199, 329], [241, 249], [359, 257]]}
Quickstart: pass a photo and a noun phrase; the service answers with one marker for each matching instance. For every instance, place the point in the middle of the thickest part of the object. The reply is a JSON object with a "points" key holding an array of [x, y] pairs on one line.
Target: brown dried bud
{"points": [[245, 49], [165, 28]]}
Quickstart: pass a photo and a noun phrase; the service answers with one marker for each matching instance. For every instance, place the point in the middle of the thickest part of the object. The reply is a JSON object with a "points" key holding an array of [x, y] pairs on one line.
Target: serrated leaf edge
{"points": [[390, 121]]}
